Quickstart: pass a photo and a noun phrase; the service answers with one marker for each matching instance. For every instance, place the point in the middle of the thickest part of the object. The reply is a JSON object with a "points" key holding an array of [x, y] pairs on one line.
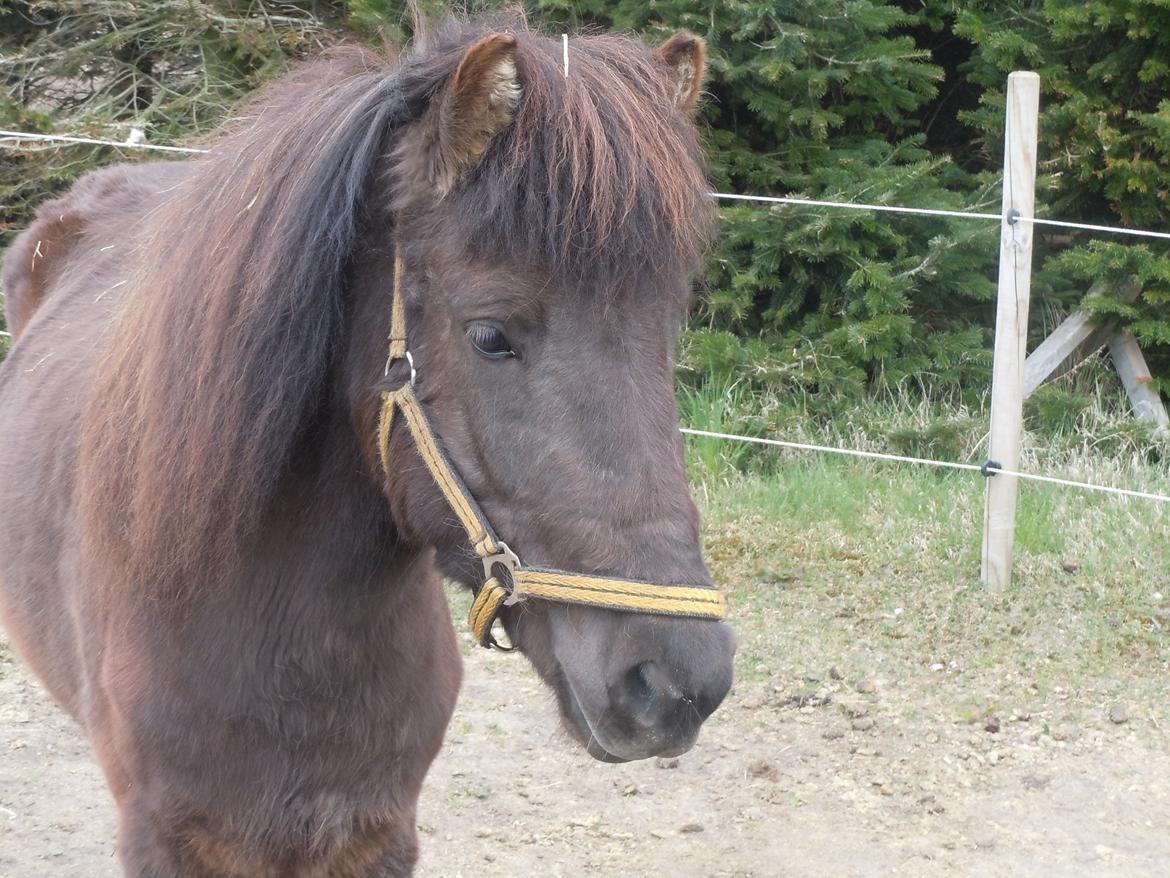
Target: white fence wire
{"points": [[64, 139], [987, 469]]}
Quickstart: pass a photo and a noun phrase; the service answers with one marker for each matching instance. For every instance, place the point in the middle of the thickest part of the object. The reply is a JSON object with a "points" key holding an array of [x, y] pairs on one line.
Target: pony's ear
{"points": [[476, 105], [685, 55]]}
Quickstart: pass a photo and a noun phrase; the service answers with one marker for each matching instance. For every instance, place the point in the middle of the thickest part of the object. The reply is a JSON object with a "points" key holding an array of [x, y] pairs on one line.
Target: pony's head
{"points": [[550, 226]]}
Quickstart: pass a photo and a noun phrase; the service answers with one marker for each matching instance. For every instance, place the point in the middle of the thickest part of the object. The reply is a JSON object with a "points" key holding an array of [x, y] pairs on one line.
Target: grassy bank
{"points": [[873, 569]]}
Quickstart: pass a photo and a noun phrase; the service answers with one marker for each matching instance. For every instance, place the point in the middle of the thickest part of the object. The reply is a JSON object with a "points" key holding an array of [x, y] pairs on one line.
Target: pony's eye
{"points": [[490, 341]]}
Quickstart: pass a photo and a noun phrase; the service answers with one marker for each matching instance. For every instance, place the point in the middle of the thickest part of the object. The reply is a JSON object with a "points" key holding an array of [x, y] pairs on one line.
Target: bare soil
{"points": [[813, 779]]}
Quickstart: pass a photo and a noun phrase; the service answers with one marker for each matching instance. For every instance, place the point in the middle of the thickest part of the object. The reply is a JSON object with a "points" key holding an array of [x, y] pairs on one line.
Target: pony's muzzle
{"points": [[656, 706]]}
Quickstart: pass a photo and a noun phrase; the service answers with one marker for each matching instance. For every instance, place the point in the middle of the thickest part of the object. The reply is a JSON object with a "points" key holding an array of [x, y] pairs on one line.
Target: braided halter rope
{"points": [[520, 582]]}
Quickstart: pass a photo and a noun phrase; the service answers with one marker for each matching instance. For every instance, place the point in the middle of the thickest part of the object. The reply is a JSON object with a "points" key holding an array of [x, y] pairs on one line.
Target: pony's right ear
{"points": [[476, 105], [685, 55]]}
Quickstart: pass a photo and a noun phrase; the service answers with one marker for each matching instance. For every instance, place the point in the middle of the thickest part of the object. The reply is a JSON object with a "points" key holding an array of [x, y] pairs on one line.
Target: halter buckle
{"points": [[507, 559]]}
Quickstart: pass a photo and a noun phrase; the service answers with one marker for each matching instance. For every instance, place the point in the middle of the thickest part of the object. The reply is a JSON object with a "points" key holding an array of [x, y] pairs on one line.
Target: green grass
{"points": [[874, 568], [717, 409]]}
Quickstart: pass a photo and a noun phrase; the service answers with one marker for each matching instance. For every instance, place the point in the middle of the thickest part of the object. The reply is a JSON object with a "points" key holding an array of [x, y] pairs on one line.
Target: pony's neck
{"points": [[335, 477], [329, 514]]}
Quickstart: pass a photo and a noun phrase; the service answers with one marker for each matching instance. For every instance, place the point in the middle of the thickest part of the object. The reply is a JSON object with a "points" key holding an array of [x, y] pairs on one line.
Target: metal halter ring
{"points": [[507, 559]]}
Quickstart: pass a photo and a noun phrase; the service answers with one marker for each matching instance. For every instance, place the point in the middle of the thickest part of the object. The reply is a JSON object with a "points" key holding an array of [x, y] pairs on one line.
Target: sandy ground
{"points": [[831, 782]]}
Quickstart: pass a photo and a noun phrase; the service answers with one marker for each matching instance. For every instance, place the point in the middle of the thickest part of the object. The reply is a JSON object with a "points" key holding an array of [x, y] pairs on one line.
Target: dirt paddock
{"points": [[834, 784]]}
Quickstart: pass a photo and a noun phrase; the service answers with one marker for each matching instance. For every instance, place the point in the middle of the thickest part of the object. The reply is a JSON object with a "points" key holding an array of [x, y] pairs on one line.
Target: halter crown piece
{"points": [[519, 582]]}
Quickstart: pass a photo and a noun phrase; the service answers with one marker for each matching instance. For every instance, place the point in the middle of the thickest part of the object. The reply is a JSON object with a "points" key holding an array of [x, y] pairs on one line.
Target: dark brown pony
{"points": [[200, 554]]}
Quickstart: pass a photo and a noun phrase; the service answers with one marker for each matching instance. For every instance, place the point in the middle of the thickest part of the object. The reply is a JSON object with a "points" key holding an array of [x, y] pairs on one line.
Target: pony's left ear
{"points": [[478, 103], [685, 56]]}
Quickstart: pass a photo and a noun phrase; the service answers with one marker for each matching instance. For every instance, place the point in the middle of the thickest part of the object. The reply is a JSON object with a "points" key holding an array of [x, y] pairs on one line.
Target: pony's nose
{"points": [[664, 704]]}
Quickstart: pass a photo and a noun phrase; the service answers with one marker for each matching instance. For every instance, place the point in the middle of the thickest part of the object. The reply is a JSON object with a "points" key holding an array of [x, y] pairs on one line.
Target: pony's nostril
{"points": [[656, 708], [650, 695], [641, 690]]}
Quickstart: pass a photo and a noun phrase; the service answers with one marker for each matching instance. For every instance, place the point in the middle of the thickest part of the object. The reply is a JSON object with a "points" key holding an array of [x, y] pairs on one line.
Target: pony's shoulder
{"points": [[41, 254]]}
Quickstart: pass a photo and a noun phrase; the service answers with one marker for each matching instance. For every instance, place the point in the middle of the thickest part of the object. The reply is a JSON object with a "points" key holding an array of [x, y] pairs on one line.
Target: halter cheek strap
{"points": [[519, 583]]}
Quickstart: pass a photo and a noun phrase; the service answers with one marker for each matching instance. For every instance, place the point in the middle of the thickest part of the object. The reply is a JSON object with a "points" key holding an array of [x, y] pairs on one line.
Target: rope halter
{"points": [[518, 582]]}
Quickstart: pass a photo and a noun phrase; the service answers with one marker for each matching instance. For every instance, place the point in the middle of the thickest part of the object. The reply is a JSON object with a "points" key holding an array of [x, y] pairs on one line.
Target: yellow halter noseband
{"points": [[522, 582]]}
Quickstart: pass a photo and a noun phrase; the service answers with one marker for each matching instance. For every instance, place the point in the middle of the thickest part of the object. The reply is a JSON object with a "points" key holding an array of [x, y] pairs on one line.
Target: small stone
{"points": [[1067, 732], [691, 827], [992, 724], [764, 769], [761, 669], [777, 576], [835, 673], [832, 734], [483, 833], [1119, 714], [866, 687], [854, 709], [631, 790], [814, 698], [863, 724], [931, 805], [661, 762], [1069, 566]]}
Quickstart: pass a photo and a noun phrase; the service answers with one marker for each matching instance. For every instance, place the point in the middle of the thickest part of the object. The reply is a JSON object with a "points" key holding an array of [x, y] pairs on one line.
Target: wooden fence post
{"points": [[1135, 375], [1078, 337], [1011, 324]]}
